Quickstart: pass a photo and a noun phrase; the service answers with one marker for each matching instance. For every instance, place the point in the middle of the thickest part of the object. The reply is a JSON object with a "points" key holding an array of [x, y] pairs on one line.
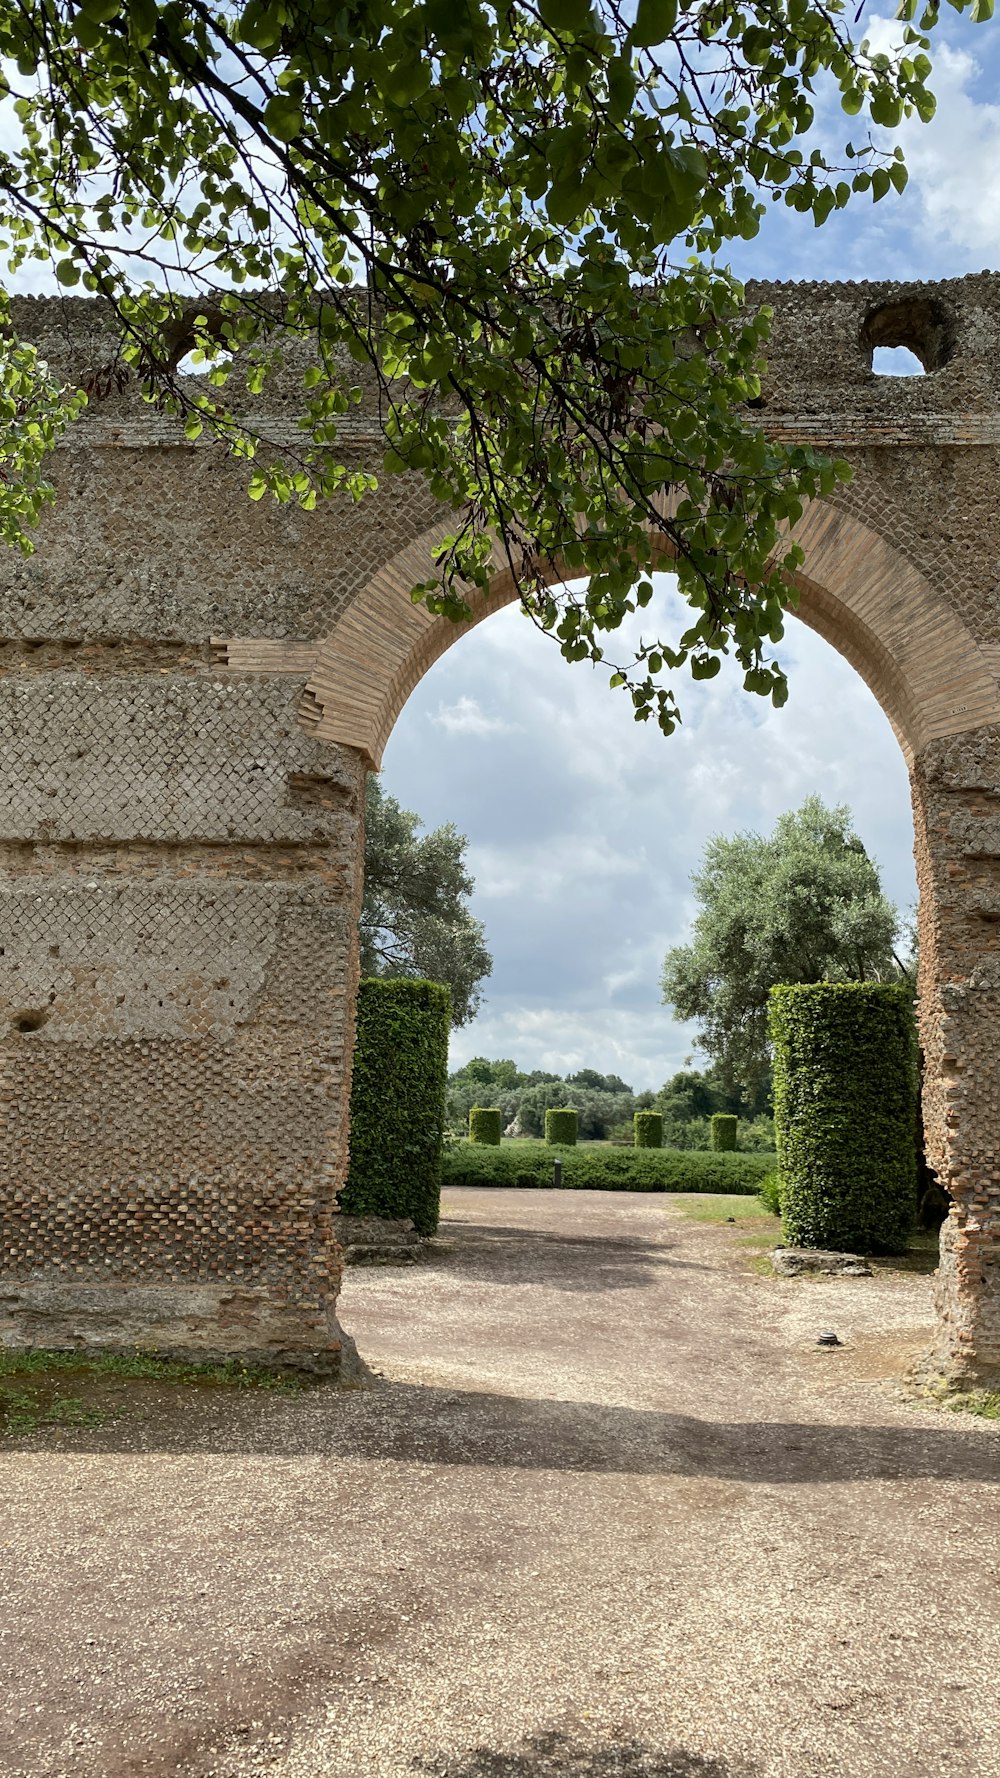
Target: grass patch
{"points": [[921, 1255], [983, 1403], [229, 1374], [760, 1230], [28, 1410], [726, 1207], [38, 1398]]}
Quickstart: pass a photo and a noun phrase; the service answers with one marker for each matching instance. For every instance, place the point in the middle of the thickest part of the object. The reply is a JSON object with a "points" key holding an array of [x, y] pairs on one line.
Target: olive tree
{"points": [[803, 904], [415, 917]]}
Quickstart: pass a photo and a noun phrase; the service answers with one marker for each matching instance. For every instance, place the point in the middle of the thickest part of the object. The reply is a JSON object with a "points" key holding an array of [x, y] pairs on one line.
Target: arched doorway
{"points": [[935, 685]]}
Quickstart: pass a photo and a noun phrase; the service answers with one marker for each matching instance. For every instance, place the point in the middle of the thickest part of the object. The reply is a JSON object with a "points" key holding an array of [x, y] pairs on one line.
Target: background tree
{"points": [[484, 1082], [414, 919], [507, 223], [605, 1103], [600, 1109], [804, 905]]}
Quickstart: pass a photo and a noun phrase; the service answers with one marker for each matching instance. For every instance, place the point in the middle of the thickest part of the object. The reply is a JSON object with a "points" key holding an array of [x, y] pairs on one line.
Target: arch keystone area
{"points": [[856, 590]]}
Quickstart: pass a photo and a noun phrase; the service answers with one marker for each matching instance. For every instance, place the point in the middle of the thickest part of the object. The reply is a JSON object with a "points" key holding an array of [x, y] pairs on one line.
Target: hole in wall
{"points": [[308, 790], [29, 1018], [908, 338], [190, 366]]}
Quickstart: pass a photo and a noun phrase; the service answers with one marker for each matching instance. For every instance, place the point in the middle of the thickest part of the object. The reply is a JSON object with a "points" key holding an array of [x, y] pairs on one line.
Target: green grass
{"points": [[21, 1411], [38, 1399], [726, 1207], [230, 1374], [983, 1403], [763, 1231]]}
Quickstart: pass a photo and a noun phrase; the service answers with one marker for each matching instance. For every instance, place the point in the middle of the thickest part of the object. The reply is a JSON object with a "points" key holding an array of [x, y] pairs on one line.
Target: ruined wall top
{"points": [[819, 358], [823, 336]]}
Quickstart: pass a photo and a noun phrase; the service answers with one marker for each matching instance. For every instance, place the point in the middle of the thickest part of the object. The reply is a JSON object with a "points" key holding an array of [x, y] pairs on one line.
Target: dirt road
{"points": [[610, 1513]]}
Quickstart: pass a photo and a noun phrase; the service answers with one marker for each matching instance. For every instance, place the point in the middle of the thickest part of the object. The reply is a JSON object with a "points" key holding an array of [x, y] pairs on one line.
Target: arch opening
{"points": [[584, 827], [862, 594]]}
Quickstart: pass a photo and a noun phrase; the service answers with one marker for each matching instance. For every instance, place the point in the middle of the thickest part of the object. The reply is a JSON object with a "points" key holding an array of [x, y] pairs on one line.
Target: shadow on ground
{"points": [[419, 1424], [517, 1257], [557, 1754]]}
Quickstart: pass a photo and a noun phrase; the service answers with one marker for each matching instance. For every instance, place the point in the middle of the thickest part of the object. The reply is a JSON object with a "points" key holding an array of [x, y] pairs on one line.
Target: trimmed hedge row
{"points": [[723, 1134], [845, 1109], [529, 1165], [561, 1127], [486, 1124], [648, 1129], [398, 1102]]}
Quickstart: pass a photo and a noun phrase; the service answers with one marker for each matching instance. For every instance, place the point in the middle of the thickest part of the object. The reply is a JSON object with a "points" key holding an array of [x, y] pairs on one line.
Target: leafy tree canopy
{"points": [[692, 1093], [414, 919], [804, 905], [599, 1083], [505, 222], [481, 1072]]}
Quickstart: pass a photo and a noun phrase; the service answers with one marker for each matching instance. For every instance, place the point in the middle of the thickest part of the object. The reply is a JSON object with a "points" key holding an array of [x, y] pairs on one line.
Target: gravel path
{"points": [[609, 1513]]}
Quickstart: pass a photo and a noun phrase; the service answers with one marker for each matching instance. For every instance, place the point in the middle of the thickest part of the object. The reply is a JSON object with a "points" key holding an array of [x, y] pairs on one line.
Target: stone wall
{"points": [[191, 687]]}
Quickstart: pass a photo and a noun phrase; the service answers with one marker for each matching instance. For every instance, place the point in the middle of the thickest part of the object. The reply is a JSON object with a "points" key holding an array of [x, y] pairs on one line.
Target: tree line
{"points": [[605, 1103]]}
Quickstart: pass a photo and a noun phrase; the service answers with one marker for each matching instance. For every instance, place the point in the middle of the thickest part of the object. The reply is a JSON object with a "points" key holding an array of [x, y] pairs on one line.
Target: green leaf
{"points": [[283, 117], [143, 18], [569, 16], [407, 81], [654, 22]]}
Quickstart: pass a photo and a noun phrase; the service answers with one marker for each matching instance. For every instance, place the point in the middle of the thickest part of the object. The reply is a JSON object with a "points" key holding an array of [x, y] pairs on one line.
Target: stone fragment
{"points": [[792, 1262]]}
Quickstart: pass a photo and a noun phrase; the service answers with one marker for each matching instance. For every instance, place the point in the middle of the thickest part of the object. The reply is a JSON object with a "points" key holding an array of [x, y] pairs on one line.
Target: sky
{"points": [[583, 826]]}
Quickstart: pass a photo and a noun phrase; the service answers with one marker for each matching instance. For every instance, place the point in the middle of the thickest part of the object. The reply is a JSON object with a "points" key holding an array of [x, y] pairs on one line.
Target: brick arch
{"points": [[856, 590]]}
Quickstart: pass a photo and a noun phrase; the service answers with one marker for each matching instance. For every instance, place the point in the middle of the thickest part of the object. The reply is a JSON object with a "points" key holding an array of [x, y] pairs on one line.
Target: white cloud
{"points": [[467, 717], [543, 868], [954, 162], [584, 826], [562, 1042]]}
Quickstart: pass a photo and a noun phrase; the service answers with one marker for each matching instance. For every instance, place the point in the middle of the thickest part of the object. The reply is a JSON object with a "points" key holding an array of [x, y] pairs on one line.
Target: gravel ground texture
{"points": [[607, 1512]]}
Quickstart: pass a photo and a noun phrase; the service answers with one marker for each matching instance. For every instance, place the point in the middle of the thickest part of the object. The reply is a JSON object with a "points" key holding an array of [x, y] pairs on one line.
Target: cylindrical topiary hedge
{"points": [[648, 1128], [486, 1124], [398, 1102], [845, 1087], [723, 1132], [560, 1128]]}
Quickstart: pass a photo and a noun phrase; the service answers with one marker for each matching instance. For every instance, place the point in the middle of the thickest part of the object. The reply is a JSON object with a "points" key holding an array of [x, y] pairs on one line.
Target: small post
{"points": [[557, 1173]]}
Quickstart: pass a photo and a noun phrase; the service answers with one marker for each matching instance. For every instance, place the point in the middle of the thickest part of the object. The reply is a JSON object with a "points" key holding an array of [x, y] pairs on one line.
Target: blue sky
{"points": [[583, 826]]}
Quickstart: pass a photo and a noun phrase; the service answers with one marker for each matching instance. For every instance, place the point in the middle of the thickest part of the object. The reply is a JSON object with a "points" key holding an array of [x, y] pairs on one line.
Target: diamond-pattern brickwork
{"points": [[161, 958], [214, 1182], [163, 757]]}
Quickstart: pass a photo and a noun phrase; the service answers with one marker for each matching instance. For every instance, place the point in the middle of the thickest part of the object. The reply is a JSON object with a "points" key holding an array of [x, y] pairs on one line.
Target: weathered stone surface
{"points": [[792, 1262], [191, 686], [179, 1321], [378, 1240]]}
